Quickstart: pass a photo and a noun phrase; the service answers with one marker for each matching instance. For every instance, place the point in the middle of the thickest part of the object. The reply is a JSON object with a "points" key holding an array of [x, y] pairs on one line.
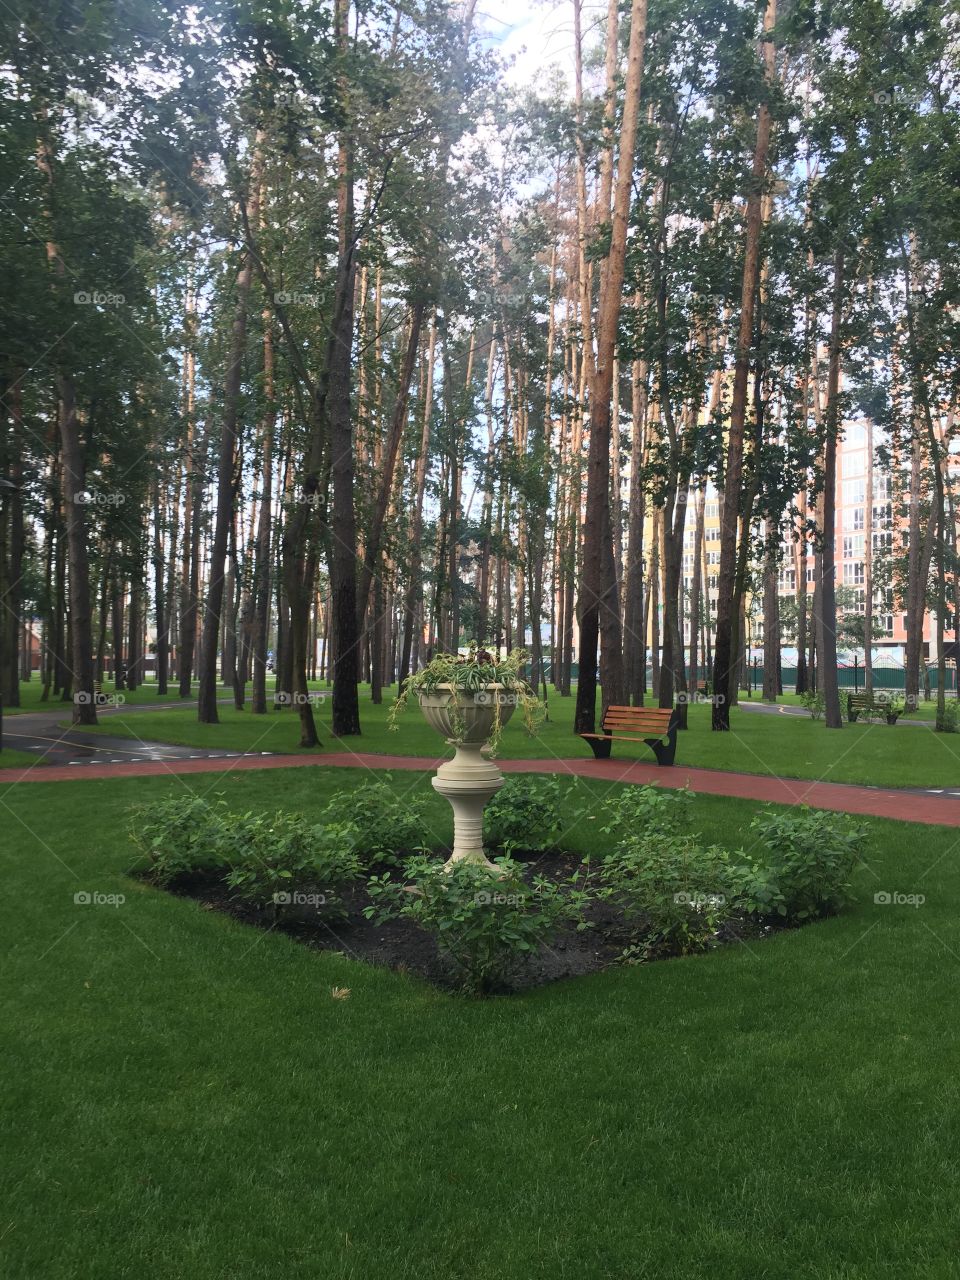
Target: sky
{"points": [[535, 34]]}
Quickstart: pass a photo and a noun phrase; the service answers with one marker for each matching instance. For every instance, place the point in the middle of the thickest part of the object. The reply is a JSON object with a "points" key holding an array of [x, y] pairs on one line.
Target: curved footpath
{"points": [[906, 806]]}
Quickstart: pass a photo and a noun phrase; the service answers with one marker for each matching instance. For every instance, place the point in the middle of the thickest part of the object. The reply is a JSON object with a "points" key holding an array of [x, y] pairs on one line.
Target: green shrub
{"points": [[525, 815], [486, 923], [387, 827], [289, 861], [810, 857], [648, 811], [674, 893], [814, 703], [178, 835]]}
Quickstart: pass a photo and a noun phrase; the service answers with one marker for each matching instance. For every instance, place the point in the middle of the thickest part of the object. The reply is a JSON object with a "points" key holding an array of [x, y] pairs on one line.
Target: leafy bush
{"points": [[649, 811], [950, 721], [524, 815], [811, 856], [181, 834], [486, 923], [675, 894], [814, 703], [287, 858], [386, 826]]}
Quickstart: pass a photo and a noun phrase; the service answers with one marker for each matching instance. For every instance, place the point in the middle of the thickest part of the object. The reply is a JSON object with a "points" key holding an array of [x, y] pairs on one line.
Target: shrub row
{"points": [[671, 893]]}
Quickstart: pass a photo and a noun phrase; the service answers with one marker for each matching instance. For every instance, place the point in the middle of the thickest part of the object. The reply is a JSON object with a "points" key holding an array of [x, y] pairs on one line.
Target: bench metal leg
{"points": [[664, 750], [600, 747]]}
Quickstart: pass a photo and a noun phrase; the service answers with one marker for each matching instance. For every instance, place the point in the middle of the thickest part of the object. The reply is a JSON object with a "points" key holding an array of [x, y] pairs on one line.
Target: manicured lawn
{"points": [[786, 745], [185, 1098], [10, 759], [32, 690]]}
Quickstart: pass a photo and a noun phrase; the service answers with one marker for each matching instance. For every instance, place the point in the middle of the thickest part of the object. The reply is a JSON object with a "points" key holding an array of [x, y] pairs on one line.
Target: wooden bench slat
{"points": [[639, 720], [640, 714], [654, 726]]}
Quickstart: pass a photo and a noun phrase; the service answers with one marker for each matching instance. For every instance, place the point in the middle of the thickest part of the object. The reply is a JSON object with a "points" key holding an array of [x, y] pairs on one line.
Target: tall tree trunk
{"points": [[828, 571], [868, 569], [414, 585], [634, 639], [261, 575], [226, 467], [600, 593], [724, 655]]}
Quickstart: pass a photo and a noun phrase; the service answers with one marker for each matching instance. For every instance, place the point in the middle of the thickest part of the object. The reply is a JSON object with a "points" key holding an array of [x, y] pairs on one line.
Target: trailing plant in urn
{"points": [[468, 700]]}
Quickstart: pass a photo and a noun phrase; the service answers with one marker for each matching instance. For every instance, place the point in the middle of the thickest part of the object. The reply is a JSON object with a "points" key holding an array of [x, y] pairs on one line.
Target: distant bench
{"points": [[873, 705], [655, 726]]}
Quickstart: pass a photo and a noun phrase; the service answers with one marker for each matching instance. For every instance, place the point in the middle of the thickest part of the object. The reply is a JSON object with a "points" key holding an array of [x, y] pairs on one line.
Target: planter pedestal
{"points": [[468, 781]]}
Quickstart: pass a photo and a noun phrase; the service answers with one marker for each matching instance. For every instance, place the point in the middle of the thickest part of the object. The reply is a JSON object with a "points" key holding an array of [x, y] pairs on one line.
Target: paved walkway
{"points": [[907, 806]]}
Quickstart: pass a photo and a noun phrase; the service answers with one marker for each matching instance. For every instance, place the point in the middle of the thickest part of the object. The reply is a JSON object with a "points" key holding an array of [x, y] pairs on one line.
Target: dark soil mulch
{"points": [[402, 946]]}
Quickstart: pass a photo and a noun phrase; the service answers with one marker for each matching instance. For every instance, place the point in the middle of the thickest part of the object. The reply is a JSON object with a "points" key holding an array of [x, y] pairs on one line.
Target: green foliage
{"points": [[815, 703], [949, 722], [486, 923], [674, 893], [649, 810], [473, 675], [265, 860], [386, 827], [179, 834], [677, 893], [289, 861], [525, 815], [810, 858]]}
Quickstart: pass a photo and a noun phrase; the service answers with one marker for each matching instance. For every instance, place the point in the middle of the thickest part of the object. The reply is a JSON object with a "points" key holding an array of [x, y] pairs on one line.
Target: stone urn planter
{"points": [[470, 779]]}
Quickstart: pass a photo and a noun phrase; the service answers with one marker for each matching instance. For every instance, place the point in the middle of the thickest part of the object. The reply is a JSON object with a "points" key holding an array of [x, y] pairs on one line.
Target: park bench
{"points": [[655, 726], [703, 688], [872, 704]]}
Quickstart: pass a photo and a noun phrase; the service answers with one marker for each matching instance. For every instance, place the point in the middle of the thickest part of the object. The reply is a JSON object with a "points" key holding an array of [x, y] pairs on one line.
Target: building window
{"points": [[853, 544], [858, 514], [853, 492]]}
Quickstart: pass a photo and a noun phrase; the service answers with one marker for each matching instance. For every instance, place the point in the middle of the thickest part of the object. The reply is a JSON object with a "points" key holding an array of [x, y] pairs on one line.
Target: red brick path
{"points": [[907, 806]]}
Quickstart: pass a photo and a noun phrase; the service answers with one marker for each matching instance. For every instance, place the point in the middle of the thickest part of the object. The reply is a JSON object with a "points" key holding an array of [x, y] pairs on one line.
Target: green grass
{"points": [[184, 1098], [786, 745], [31, 692], [10, 759]]}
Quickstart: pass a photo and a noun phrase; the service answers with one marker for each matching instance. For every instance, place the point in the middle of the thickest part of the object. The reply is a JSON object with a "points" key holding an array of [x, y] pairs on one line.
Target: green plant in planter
{"points": [[472, 674], [486, 923]]}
